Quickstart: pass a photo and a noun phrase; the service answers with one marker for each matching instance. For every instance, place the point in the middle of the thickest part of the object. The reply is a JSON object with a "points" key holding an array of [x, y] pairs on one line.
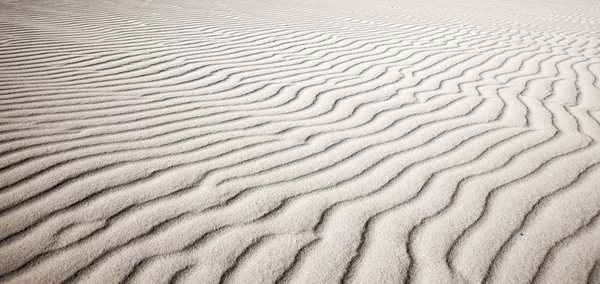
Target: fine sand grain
{"points": [[263, 141]]}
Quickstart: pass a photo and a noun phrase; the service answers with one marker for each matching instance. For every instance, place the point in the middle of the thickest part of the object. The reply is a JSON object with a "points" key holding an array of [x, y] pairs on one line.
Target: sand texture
{"points": [[289, 141]]}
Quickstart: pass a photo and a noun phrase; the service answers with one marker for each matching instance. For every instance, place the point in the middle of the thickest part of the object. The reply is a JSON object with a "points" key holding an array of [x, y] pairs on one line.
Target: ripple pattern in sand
{"points": [[299, 141]]}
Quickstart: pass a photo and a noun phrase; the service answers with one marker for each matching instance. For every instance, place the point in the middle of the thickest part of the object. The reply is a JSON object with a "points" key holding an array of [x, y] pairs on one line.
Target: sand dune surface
{"points": [[262, 141]]}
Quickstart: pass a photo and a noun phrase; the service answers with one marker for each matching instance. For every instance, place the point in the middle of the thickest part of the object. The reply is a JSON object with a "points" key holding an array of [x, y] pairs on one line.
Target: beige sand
{"points": [[264, 141]]}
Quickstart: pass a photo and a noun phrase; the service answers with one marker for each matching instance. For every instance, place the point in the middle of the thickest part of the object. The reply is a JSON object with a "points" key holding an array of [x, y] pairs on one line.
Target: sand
{"points": [[292, 141]]}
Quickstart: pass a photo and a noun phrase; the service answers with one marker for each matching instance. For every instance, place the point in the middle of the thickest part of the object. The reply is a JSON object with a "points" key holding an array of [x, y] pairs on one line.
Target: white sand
{"points": [[291, 141]]}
